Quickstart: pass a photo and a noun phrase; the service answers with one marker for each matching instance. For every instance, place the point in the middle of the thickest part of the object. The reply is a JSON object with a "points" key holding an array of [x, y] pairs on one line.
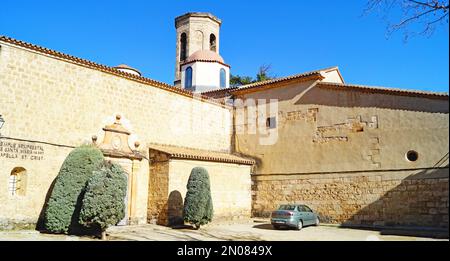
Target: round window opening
{"points": [[412, 155]]}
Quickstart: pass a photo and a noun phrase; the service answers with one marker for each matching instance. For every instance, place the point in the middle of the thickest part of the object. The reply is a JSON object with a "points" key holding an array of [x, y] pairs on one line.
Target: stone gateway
{"points": [[358, 155]]}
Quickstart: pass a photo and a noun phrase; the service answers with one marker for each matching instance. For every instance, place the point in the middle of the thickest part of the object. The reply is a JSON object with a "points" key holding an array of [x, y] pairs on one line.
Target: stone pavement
{"points": [[232, 231]]}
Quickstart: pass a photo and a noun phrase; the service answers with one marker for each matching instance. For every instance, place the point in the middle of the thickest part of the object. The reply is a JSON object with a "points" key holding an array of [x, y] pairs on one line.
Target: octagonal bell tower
{"points": [[195, 32]]}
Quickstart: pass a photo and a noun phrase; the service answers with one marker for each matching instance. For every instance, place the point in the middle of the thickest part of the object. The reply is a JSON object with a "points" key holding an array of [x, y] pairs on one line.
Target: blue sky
{"points": [[291, 36]]}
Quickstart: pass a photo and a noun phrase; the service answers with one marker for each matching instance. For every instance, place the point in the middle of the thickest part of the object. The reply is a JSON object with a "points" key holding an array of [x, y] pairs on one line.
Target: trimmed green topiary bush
{"points": [[63, 207], [104, 201], [198, 207]]}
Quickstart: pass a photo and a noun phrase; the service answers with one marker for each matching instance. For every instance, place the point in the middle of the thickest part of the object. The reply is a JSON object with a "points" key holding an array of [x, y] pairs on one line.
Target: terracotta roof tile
{"points": [[195, 154], [302, 76], [225, 92], [376, 89], [221, 93], [205, 55], [127, 67]]}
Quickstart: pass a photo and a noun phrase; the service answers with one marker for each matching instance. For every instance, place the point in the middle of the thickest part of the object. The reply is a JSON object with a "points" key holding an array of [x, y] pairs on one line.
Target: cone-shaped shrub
{"points": [[64, 204], [104, 201], [198, 207]]}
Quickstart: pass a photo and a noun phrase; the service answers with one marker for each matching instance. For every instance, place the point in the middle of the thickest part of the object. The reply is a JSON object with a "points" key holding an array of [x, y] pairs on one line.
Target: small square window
{"points": [[271, 122]]}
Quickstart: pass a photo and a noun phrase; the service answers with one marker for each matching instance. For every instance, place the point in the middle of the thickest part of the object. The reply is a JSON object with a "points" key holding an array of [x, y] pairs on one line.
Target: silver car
{"points": [[296, 216]]}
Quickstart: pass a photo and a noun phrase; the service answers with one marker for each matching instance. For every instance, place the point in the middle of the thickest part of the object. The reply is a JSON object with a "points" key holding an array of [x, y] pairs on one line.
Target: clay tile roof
{"points": [[203, 155], [123, 66], [106, 69], [127, 67], [226, 92], [376, 89], [205, 56], [221, 93], [257, 85]]}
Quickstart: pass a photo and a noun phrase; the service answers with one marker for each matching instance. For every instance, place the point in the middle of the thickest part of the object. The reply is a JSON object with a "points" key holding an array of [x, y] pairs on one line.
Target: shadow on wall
{"points": [[175, 208], [419, 201], [172, 212]]}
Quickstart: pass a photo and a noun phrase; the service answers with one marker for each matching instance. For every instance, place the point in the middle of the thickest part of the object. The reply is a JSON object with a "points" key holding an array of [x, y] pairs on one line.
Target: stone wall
{"points": [[344, 152], [316, 138], [42, 96], [57, 105], [158, 190], [230, 186], [401, 198], [24, 210], [230, 189]]}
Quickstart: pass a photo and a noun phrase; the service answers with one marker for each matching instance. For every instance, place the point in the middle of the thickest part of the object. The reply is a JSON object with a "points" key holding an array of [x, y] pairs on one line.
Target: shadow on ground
{"points": [[264, 226], [182, 226], [181, 233], [405, 231]]}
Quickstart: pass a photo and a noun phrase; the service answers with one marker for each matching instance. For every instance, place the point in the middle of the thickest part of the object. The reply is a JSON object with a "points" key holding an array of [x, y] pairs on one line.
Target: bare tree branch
{"points": [[413, 18], [435, 6], [414, 12]]}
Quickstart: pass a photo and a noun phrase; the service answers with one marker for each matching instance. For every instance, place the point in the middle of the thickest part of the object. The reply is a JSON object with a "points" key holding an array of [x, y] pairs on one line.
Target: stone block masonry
{"points": [[230, 189], [343, 151], [42, 95], [386, 198], [51, 105]]}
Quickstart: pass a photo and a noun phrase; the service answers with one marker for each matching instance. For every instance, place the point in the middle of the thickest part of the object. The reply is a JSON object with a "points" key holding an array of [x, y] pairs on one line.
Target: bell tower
{"points": [[195, 32]]}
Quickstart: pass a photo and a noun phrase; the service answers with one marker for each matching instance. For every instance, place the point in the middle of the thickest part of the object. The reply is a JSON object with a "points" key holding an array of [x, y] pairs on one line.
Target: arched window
{"points": [[212, 42], [223, 78], [183, 47], [188, 78], [17, 182]]}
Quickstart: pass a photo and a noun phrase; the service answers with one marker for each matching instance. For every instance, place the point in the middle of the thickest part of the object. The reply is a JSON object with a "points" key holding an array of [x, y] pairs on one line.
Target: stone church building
{"points": [[358, 155]]}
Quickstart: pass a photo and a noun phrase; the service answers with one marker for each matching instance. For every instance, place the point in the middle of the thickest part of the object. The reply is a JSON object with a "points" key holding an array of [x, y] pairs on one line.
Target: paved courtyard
{"points": [[237, 231]]}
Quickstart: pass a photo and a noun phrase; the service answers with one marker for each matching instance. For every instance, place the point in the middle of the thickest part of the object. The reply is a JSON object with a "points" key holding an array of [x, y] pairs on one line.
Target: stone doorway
{"points": [[115, 148]]}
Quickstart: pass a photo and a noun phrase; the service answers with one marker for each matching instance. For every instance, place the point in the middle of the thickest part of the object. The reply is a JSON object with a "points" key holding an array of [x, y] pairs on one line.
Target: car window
{"points": [[286, 207], [300, 208], [307, 209]]}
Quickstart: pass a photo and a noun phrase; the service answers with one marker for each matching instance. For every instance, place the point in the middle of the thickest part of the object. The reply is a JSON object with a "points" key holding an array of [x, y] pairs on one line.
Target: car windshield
{"points": [[286, 207]]}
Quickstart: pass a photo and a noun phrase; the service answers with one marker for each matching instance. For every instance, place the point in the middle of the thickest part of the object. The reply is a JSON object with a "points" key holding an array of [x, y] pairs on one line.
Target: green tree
{"points": [[198, 207], [263, 74], [104, 201], [236, 80], [63, 207]]}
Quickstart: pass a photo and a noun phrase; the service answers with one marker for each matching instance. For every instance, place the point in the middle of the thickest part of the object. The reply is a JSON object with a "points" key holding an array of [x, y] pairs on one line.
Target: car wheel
{"points": [[276, 227], [299, 225], [317, 221]]}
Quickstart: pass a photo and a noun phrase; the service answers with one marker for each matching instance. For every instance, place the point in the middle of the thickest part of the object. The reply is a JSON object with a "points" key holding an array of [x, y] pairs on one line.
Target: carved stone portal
{"points": [[115, 142], [115, 148]]}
